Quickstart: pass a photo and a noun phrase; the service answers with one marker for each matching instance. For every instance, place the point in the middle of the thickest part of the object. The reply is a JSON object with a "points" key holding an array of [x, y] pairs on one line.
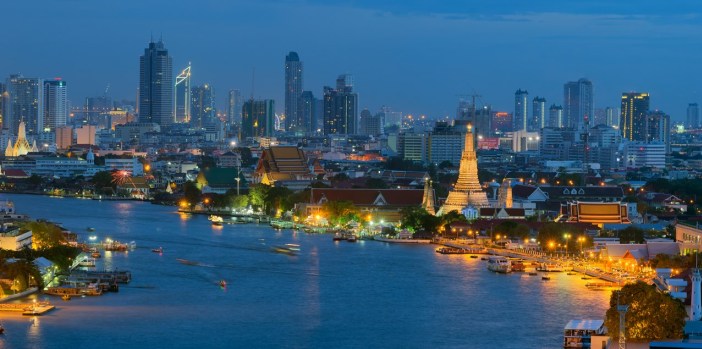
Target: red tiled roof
{"points": [[12, 173], [367, 197]]}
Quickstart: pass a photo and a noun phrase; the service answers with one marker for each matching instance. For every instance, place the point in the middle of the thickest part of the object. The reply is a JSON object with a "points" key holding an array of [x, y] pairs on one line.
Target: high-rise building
{"points": [[26, 103], [578, 107], [293, 91], [156, 85], [658, 128], [555, 116], [55, 104], [693, 116], [340, 107], [538, 116], [370, 124], [482, 125], [64, 137], [501, 122], [183, 96], [234, 107], [202, 106], [519, 120], [612, 117], [307, 112], [257, 118], [633, 119]]}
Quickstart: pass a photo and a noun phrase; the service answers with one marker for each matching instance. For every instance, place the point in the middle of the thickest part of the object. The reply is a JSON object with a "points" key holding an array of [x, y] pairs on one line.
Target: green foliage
{"points": [[257, 195], [102, 180], [674, 262], [631, 235], [444, 164], [246, 157], [191, 192], [652, 315], [340, 212], [44, 234], [417, 218], [279, 198], [22, 271], [397, 163], [239, 201]]}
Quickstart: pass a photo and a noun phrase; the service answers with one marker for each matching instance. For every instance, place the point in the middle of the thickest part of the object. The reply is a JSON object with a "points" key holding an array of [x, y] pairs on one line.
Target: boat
{"points": [[518, 265], [585, 278], [216, 220], [2, 329], [473, 256], [286, 250], [570, 273], [157, 250], [452, 250], [483, 258], [499, 264], [338, 236], [87, 263], [533, 273], [351, 238], [222, 283], [545, 278], [187, 262], [402, 241]]}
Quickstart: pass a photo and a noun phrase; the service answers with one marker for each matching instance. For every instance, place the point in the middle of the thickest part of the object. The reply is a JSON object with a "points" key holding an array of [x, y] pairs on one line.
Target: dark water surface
{"points": [[332, 295]]}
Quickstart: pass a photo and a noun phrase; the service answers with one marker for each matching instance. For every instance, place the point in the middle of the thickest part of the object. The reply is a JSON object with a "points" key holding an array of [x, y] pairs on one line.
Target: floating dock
{"points": [[29, 309]]}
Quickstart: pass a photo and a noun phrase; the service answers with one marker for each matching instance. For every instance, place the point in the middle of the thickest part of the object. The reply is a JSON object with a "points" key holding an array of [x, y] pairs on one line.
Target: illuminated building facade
{"points": [[538, 115], [555, 116], [26, 104], [156, 85], [340, 107], [257, 118], [578, 103], [203, 110], [293, 91], [520, 118], [55, 104], [633, 118]]}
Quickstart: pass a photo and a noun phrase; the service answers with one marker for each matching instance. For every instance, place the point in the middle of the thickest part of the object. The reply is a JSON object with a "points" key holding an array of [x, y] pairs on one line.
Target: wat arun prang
{"points": [[467, 191]]}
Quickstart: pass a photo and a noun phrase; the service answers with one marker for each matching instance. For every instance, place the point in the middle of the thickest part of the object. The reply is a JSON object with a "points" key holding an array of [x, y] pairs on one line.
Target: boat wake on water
{"points": [[194, 263]]}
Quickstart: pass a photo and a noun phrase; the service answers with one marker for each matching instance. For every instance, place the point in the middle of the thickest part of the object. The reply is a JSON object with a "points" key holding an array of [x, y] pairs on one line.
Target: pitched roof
{"points": [[570, 193], [369, 197], [285, 159], [523, 191]]}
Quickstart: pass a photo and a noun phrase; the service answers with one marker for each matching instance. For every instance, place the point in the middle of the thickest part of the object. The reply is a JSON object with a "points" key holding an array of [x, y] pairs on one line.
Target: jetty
{"points": [[29, 309]]}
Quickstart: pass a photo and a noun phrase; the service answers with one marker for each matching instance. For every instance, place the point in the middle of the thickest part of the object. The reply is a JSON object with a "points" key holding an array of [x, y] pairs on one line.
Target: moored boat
{"points": [[518, 265], [338, 236], [157, 250], [452, 250], [216, 220], [351, 238], [545, 278], [548, 267], [499, 264], [402, 241]]}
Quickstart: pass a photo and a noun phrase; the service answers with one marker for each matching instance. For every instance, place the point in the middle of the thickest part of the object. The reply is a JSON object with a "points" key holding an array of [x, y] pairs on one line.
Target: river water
{"points": [[331, 295]]}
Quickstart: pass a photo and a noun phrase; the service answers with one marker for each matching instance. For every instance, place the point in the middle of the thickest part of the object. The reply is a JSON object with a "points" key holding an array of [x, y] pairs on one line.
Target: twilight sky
{"points": [[416, 56]]}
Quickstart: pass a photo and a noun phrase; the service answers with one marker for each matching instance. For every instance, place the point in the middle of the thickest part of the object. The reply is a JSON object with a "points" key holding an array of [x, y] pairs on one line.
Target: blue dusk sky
{"points": [[415, 56]]}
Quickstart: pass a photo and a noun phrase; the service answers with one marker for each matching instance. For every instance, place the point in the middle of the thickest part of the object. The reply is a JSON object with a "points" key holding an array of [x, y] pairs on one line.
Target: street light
{"points": [[566, 236], [580, 240]]}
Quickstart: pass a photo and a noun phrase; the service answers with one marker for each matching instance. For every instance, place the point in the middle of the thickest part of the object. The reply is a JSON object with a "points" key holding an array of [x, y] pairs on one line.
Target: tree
{"points": [[340, 212], [257, 195], [444, 164], [376, 183], [191, 192], [22, 272], [652, 315], [44, 234], [631, 234], [102, 180]]}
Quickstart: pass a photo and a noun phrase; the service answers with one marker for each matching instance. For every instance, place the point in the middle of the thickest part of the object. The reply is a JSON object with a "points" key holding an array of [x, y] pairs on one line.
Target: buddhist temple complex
{"points": [[467, 191]]}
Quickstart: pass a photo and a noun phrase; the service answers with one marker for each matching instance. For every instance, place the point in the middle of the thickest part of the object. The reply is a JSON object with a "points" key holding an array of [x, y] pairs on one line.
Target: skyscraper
{"points": [[612, 117], [156, 85], [555, 116], [234, 107], [693, 116], [520, 117], [257, 118], [203, 110], [340, 107], [293, 91], [26, 104], [658, 128], [307, 111], [55, 104], [578, 107], [633, 119], [538, 116]]}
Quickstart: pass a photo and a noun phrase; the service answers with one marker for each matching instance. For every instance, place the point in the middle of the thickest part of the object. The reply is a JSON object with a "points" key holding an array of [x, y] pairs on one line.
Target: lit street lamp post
{"points": [[566, 237]]}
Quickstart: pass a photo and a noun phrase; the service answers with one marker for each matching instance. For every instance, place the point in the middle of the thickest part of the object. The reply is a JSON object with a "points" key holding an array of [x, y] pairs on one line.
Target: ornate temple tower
{"points": [[467, 190], [428, 201]]}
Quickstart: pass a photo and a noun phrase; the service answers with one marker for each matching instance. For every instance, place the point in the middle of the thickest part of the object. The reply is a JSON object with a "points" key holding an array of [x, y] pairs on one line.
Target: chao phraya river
{"points": [[366, 294]]}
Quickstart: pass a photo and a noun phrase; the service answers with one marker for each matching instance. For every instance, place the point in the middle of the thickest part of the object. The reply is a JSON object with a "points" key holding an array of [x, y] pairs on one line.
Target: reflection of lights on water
{"points": [[92, 237], [34, 327]]}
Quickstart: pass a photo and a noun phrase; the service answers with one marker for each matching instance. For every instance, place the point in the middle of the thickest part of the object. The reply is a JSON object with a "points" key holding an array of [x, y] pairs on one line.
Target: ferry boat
{"points": [[499, 264], [452, 250], [87, 263], [549, 267], [338, 236], [518, 265], [216, 220]]}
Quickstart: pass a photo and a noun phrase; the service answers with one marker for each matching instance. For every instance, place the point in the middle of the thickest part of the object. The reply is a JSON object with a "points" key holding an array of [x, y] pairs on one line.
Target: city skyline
{"points": [[412, 57]]}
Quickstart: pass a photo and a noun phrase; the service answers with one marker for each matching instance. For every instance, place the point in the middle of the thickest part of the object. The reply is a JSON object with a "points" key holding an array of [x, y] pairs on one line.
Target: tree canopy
{"points": [[652, 315], [44, 234]]}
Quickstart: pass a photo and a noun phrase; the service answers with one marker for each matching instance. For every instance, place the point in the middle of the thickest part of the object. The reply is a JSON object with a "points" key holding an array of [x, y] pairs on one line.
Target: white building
{"points": [[639, 154], [131, 165], [13, 240]]}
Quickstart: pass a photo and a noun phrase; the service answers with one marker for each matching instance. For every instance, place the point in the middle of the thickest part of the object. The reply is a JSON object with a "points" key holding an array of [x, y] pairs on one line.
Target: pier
{"points": [[29, 309]]}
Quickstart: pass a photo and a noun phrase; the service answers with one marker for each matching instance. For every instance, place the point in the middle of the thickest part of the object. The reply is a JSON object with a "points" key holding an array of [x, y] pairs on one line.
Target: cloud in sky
{"points": [[413, 55]]}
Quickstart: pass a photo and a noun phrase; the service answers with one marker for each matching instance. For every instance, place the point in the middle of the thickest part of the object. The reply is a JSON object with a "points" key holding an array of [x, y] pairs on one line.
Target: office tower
{"points": [[370, 124], [202, 106], [693, 116], [293, 91], [633, 116], [600, 117], [340, 107], [4, 101], [390, 118], [26, 104], [482, 125], [234, 107], [555, 116], [501, 122], [578, 104], [519, 119], [538, 116], [307, 112], [445, 143], [257, 118], [55, 104], [612, 117], [658, 128], [156, 85], [183, 96]]}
